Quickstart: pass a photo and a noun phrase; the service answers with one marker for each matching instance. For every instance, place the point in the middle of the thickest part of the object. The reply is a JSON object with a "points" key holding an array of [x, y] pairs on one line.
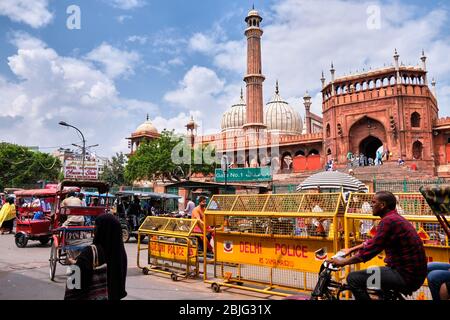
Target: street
{"points": [[24, 275]]}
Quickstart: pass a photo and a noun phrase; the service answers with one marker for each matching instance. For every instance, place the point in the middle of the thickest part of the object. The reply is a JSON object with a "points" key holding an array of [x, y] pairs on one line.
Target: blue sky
{"points": [[173, 59]]}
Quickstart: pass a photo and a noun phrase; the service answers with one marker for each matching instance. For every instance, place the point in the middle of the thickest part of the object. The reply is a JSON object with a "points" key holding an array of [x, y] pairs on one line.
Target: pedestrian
{"points": [[189, 207], [361, 160], [199, 214], [110, 250], [7, 216], [134, 211], [379, 157], [349, 158]]}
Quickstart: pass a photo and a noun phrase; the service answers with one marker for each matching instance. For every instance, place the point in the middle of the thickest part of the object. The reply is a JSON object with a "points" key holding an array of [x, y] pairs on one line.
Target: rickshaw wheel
{"points": [[145, 271], [125, 234], [53, 259], [21, 240], [174, 277], [215, 287]]}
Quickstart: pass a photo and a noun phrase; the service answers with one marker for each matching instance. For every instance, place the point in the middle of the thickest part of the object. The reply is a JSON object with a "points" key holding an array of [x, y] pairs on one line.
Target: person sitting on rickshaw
{"points": [[72, 201], [199, 214]]}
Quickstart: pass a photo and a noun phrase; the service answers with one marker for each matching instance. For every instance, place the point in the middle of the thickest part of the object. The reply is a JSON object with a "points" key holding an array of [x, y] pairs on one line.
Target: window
{"points": [[415, 120], [328, 131]]}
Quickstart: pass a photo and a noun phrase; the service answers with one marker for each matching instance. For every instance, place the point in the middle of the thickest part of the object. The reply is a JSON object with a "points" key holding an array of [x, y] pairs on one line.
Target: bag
{"points": [[98, 287]]}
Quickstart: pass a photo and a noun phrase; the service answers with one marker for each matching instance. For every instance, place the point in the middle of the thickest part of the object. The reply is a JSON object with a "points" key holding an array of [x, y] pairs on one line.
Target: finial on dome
{"points": [[242, 94], [147, 117], [277, 91]]}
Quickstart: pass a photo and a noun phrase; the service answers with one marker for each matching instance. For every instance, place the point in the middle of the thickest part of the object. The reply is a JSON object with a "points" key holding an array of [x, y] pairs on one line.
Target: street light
{"points": [[83, 149], [224, 165]]}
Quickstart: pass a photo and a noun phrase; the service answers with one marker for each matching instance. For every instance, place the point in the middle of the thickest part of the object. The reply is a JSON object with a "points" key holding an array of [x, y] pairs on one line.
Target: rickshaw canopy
{"points": [[43, 192]]}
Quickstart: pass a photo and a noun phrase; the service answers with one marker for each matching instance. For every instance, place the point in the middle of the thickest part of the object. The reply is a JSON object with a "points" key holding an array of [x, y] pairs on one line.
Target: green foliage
{"points": [[114, 171], [20, 166], [153, 160]]}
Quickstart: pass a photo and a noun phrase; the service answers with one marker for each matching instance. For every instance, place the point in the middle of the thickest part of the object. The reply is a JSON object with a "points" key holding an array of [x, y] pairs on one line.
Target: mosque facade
{"points": [[393, 108]]}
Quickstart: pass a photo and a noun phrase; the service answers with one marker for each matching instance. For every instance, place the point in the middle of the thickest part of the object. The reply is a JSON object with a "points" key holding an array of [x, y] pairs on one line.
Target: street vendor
{"points": [[199, 214], [7, 216]]}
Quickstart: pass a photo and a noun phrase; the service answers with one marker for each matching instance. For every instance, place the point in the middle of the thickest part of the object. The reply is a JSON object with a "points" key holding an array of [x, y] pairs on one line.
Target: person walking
{"points": [[110, 250], [7, 216]]}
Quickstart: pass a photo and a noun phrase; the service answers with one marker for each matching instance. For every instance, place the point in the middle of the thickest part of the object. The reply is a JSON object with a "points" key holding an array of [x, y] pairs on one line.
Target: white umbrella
{"points": [[332, 180]]}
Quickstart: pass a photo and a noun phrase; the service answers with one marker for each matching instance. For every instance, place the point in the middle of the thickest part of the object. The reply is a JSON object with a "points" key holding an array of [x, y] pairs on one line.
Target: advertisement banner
{"points": [[73, 169]]}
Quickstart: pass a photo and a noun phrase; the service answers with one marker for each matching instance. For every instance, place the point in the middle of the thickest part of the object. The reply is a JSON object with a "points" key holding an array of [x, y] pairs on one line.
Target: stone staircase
{"points": [[389, 171]]}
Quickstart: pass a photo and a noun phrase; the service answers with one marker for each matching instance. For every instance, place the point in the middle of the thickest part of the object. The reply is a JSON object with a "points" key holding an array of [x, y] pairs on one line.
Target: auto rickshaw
{"points": [[35, 209], [152, 203], [69, 240]]}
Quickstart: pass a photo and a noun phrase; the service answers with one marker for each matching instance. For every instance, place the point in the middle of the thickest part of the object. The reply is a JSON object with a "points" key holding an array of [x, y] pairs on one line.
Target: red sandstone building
{"points": [[393, 107]]}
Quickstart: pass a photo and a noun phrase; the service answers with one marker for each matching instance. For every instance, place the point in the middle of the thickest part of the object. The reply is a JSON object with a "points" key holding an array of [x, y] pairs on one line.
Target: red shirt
{"points": [[403, 246]]}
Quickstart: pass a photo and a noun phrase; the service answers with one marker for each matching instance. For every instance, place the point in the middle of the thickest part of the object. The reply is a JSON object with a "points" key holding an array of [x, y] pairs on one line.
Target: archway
{"points": [[369, 146], [362, 134], [417, 150]]}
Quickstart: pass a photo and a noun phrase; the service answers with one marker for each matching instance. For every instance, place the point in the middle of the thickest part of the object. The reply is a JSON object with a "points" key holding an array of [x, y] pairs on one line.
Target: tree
{"points": [[154, 160], [19, 166], [114, 171]]}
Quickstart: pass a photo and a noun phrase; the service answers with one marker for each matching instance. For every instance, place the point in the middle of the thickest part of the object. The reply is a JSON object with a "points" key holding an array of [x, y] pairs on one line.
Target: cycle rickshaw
{"points": [[35, 209], [69, 240]]}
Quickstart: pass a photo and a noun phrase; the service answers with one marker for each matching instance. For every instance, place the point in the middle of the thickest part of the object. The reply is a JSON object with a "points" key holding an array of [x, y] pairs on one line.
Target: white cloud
{"points": [[126, 4], [52, 88], [115, 62], [301, 39], [206, 96], [121, 19], [176, 62], [140, 39], [34, 13]]}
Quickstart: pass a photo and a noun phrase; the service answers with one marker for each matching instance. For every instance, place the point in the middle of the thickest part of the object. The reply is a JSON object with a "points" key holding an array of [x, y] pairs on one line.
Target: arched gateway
{"points": [[366, 136]]}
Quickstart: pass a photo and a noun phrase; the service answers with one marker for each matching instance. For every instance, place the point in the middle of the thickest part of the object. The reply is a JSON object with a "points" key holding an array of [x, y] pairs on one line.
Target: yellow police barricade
{"points": [[360, 225], [266, 243], [172, 247]]}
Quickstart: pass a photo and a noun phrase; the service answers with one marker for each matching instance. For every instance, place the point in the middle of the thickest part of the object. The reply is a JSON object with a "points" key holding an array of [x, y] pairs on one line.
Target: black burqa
{"points": [[108, 240]]}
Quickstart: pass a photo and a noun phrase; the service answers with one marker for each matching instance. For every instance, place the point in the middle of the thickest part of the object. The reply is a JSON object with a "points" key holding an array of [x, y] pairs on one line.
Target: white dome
{"points": [[279, 116], [146, 127], [236, 117]]}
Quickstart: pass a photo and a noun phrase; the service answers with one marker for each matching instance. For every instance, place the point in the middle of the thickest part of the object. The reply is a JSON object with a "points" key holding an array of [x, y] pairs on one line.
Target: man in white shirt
{"points": [[189, 207], [72, 201]]}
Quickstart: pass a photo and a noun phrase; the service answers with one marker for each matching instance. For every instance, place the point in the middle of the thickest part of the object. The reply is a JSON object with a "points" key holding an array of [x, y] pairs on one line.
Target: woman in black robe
{"points": [[108, 240]]}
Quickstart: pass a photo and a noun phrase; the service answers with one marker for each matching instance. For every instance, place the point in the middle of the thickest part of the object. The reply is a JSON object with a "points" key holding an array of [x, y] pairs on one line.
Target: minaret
{"points": [[323, 80], [433, 86], [333, 73], [397, 67], [424, 66], [254, 77], [307, 103]]}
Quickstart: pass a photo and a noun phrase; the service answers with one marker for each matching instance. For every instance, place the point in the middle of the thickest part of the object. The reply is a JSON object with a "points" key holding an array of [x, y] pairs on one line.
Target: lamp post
{"points": [[224, 165], [83, 149]]}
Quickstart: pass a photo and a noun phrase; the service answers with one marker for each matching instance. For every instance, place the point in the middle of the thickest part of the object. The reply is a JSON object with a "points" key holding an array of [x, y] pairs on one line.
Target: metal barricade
{"points": [[172, 247], [266, 243], [360, 225]]}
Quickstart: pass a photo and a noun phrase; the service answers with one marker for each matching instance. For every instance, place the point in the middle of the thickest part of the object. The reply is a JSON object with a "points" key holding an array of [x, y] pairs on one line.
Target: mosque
{"points": [[393, 108]]}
